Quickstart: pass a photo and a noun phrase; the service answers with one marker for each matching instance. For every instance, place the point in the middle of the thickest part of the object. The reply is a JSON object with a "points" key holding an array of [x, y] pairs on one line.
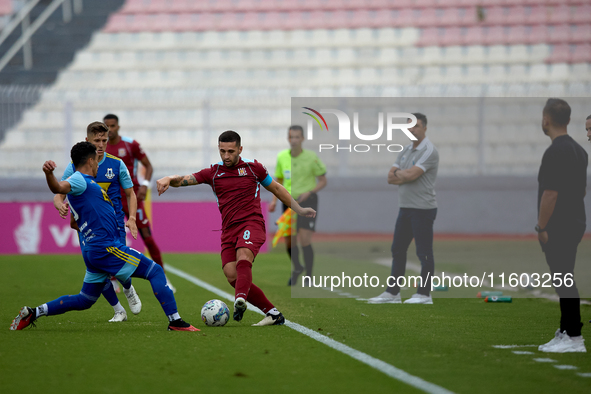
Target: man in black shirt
{"points": [[561, 220]]}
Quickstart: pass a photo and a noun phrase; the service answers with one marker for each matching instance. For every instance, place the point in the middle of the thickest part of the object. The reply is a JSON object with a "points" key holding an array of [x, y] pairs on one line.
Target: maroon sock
{"points": [[233, 284], [154, 250], [257, 298], [243, 278]]}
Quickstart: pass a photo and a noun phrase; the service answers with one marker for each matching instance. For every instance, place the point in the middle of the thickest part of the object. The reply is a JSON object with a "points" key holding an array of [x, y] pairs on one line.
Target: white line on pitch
{"points": [[544, 360], [512, 346], [522, 352], [380, 365], [565, 367]]}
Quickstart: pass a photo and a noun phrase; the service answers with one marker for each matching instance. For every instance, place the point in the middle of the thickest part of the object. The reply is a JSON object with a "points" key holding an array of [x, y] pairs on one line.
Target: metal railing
{"points": [[28, 28]]}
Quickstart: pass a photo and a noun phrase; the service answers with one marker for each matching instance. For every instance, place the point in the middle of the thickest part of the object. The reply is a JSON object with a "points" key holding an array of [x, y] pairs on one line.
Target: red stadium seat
{"points": [[452, 36], [581, 34], [429, 37], [273, 20], [404, 18], [515, 16], [5, 7], [474, 36], [220, 6], [380, 4], [581, 14], [383, 18], [135, 6], [560, 54], [495, 35], [537, 35], [516, 35], [180, 6], [560, 14], [494, 16], [425, 3], [313, 20], [139, 23], [118, 23], [559, 34], [229, 21], [352, 4], [361, 18], [427, 18], [581, 54], [537, 15], [158, 6], [185, 22]]}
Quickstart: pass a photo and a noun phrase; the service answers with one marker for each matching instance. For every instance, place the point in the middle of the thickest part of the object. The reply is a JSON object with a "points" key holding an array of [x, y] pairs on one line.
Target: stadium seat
{"points": [[559, 15], [516, 15], [581, 33], [559, 34]]}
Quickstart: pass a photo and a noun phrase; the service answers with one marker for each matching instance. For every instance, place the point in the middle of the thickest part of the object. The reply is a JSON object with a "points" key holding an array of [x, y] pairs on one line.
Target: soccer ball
{"points": [[215, 313]]}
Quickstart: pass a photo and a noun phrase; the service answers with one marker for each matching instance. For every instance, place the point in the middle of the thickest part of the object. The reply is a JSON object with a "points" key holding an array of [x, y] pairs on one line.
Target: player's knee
{"points": [[145, 232], [85, 302], [155, 272]]}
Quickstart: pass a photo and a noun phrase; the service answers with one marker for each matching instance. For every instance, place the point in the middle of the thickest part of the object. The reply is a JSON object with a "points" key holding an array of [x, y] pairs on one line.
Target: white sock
{"points": [[174, 316], [118, 307], [273, 311], [41, 311]]}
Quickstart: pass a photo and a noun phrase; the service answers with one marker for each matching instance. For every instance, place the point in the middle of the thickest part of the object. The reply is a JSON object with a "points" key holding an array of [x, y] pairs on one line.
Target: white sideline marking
{"points": [[544, 360], [512, 346], [380, 365], [584, 374], [522, 352], [565, 367]]}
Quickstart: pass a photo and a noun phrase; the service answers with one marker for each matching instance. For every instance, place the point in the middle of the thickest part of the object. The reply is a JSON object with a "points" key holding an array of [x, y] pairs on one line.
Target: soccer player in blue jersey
{"points": [[103, 253], [112, 175]]}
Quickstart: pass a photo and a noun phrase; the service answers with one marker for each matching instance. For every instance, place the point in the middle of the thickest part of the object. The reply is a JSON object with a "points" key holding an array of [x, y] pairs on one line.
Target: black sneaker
{"points": [[239, 308], [271, 320], [181, 325]]}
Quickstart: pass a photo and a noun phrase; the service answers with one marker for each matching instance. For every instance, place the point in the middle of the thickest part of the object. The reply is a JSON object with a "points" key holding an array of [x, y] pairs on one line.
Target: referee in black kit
{"points": [[561, 220]]}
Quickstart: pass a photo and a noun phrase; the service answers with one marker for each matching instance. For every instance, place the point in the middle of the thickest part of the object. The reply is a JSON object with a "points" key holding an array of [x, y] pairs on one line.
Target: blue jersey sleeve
{"points": [[68, 172], [77, 183], [124, 177], [267, 181]]}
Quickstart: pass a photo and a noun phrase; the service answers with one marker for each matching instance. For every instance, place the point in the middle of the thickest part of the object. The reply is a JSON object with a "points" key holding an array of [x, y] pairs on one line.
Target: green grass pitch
{"points": [[449, 344]]}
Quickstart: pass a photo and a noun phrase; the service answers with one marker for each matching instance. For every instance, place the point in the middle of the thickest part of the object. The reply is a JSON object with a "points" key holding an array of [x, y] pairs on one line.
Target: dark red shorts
{"points": [[251, 235], [141, 219]]}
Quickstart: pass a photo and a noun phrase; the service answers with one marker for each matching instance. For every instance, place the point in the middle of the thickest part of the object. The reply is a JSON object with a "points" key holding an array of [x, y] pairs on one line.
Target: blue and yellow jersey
{"points": [[93, 211], [111, 176]]}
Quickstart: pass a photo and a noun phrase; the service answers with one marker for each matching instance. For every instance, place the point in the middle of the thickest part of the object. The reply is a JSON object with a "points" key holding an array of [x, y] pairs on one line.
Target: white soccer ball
{"points": [[215, 313]]}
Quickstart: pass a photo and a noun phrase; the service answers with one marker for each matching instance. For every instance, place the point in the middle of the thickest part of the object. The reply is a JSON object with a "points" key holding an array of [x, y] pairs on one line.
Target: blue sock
{"points": [[126, 285], [109, 293], [88, 295], [151, 271]]}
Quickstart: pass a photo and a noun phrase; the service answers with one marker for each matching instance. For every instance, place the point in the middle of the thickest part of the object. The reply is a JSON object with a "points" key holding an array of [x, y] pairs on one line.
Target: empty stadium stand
{"points": [[178, 72]]}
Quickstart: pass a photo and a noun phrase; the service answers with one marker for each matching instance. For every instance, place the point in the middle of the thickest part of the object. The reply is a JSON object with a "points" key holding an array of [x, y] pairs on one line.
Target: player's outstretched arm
{"points": [[132, 204], [56, 187], [284, 196], [163, 184], [60, 203]]}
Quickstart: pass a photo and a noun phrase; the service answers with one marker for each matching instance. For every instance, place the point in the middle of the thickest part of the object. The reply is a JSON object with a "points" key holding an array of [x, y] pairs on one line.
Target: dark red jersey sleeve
{"points": [[260, 171], [204, 176], [137, 150]]}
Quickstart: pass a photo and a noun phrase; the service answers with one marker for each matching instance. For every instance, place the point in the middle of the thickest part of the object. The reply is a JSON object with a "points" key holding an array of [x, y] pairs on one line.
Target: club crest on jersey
{"points": [[110, 174], [121, 152], [242, 171]]}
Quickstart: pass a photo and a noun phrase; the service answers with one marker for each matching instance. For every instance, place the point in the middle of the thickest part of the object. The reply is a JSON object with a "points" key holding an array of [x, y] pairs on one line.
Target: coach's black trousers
{"points": [[561, 253], [417, 224]]}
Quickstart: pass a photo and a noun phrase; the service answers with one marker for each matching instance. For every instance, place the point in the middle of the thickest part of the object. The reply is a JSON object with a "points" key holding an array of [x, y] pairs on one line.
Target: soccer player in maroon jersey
{"points": [[130, 151], [236, 184]]}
